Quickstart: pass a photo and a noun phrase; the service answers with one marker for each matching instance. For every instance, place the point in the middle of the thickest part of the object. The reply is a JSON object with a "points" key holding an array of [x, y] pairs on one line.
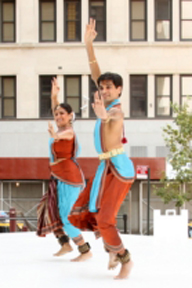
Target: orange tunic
{"points": [[65, 167]]}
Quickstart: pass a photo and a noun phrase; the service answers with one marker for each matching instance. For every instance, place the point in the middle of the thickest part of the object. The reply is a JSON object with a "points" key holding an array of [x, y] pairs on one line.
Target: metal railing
{"points": [[13, 221]]}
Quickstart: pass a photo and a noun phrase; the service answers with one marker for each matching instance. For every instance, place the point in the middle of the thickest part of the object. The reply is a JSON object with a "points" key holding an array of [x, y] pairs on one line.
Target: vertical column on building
{"points": [[61, 86], [150, 20], [60, 20], [84, 16], [125, 98], [108, 20], [117, 18], [176, 89], [151, 96], [85, 96], [175, 20], [18, 25]]}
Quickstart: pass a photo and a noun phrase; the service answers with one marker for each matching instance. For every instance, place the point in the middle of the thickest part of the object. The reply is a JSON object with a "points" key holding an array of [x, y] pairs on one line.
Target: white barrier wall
{"points": [[170, 226], [30, 138]]}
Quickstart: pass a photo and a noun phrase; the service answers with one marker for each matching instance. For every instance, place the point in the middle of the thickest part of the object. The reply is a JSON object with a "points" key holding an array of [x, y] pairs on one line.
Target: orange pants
{"points": [[103, 221]]}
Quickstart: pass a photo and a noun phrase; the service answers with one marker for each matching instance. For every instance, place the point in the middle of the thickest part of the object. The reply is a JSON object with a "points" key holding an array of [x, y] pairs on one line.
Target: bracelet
{"points": [[106, 120], [91, 62]]}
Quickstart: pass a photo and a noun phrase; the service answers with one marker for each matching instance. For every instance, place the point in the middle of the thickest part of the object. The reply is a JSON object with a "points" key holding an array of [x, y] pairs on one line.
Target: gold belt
{"points": [[111, 153]]}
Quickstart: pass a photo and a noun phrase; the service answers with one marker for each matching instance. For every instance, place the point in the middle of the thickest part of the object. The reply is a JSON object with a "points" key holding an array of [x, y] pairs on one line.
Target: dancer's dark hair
{"points": [[65, 106], [114, 77]]}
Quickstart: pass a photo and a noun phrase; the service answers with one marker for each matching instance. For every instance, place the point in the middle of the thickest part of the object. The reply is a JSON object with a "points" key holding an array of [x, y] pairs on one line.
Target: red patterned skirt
{"points": [[48, 219]]}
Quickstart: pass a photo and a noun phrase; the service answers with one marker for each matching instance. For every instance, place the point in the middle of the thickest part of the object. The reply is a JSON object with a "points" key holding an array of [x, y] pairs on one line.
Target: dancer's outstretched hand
{"points": [[54, 87], [51, 129], [99, 107], [90, 32]]}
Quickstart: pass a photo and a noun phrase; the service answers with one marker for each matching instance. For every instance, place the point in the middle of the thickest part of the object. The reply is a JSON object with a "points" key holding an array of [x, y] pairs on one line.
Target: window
{"points": [[45, 96], [72, 20], [163, 23], [7, 21], [186, 19], [97, 10], [138, 93], [186, 90], [47, 20], [92, 90], [138, 151], [7, 97], [138, 20], [73, 93], [163, 95]]}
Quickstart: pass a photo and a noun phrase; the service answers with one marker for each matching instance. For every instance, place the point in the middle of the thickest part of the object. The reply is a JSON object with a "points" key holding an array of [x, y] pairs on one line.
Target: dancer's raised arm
{"points": [[54, 94], [90, 35]]}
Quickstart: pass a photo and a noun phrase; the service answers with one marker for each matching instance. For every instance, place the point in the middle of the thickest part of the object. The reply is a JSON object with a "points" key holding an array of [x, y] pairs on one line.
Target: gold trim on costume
{"points": [[111, 153], [57, 161]]}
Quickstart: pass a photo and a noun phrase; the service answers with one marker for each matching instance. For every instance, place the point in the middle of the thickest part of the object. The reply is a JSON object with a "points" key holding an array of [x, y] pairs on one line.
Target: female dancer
{"points": [[69, 180]]}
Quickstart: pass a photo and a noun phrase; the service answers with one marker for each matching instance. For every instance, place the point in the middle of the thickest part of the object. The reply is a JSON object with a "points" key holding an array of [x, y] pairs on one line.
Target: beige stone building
{"points": [[148, 42]]}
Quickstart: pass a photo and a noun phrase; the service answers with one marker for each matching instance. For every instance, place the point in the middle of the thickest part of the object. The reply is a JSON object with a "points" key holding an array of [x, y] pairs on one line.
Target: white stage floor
{"points": [[26, 261]]}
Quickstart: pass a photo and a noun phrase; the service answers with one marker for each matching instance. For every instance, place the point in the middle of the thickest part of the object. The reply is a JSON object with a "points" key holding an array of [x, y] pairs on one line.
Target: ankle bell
{"points": [[84, 248], [124, 258]]}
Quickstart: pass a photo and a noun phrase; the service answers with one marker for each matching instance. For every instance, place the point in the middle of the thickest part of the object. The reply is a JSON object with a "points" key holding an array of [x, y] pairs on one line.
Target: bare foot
{"points": [[125, 270], [82, 257], [113, 261], [64, 249]]}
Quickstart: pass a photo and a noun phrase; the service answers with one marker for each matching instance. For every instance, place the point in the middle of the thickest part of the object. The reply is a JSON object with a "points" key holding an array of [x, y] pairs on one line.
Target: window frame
{"points": [[12, 97], [131, 21], [170, 97], [67, 21], [131, 97], [42, 21], [105, 19], [2, 22], [181, 20], [79, 114], [40, 94], [181, 96], [170, 21]]}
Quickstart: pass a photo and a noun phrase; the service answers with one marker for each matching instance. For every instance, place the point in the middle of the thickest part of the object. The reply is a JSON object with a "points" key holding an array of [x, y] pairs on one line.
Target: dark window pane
{"points": [[138, 96], [46, 107], [92, 90], [72, 20], [138, 31], [163, 10], [138, 20], [47, 31], [8, 96], [9, 107], [7, 21], [163, 19], [47, 21], [137, 10], [45, 96], [97, 10], [8, 11], [8, 32], [138, 107], [48, 10], [73, 93], [75, 103]]}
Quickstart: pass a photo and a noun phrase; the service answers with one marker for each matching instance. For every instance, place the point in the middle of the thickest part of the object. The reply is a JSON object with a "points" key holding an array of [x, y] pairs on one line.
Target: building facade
{"points": [[148, 42]]}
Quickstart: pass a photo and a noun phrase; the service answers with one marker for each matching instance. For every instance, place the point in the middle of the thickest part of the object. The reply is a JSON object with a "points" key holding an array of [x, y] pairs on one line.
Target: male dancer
{"points": [[98, 205]]}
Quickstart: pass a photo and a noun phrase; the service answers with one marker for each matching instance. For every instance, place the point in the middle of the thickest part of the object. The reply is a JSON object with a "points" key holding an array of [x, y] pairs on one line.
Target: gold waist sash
{"points": [[111, 153]]}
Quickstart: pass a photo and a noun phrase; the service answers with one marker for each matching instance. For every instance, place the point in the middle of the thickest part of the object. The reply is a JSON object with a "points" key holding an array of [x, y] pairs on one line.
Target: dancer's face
{"points": [[62, 117], [108, 91]]}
